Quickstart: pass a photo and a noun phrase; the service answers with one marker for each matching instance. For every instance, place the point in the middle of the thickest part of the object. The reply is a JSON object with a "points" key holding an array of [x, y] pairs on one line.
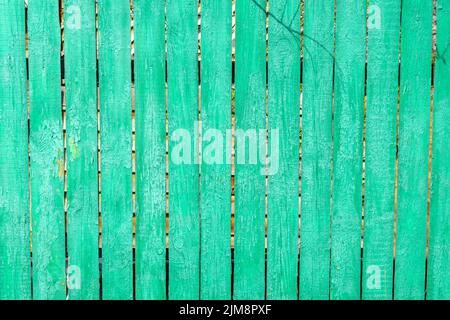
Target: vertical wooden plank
{"points": [[347, 159], [415, 84], [316, 149], [381, 122], [47, 151], [184, 233], [284, 147], [115, 139], [149, 66], [216, 168], [250, 113], [15, 276], [81, 135], [439, 250]]}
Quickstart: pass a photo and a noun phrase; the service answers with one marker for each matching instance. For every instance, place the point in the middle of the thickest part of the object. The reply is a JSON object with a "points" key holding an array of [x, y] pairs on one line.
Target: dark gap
{"points": [[133, 153], [62, 63], [166, 244], [430, 148], [265, 273], [332, 151], [165, 70], [134, 272], [361, 265], [426, 276], [233, 71], [433, 67], [363, 164], [434, 45], [199, 135], [97, 69], [396, 182], [167, 274], [301, 56], [61, 23], [267, 71], [266, 177], [64, 115], [393, 277], [233, 123], [397, 153], [28, 137], [300, 151], [132, 40], [232, 273], [26, 44], [199, 73], [100, 269], [132, 70], [99, 178]]}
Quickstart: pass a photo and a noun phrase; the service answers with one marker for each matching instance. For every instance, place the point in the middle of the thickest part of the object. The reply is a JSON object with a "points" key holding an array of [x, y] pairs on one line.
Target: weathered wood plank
{"points": [[316, 149], [439, 247], [182, 78], [149, 19], [15, 276], [47, 151], [216, 168], [115, 139], [347, 158], [250, 113], [81, 136], [284, 147], [381, 126], [415, 73]]}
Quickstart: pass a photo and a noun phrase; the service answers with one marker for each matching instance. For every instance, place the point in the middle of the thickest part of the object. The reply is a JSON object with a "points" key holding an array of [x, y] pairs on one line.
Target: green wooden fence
{"points": [[224, 149]]}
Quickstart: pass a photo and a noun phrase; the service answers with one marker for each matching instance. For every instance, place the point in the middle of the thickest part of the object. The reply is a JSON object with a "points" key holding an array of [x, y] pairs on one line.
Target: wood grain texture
{"points": [[250, 113], [347, 149], [184, 232], [337, 261], [316, 149], [415, 73], [381, 126], [15, 276], [47, 151], [81, 135], [439, 247], [284, 133], [115, 139], [216, 168], [150, 107]]}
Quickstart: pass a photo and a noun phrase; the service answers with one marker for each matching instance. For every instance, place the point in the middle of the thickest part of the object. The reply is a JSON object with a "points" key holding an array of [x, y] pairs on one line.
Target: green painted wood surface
{"points": [[47, 151], [115, 142], [81, 137], [150, 149], [184, 232], [284, 128], [200, 255], [347, 149], [216, 168], [415, 73], [15, 275], [381, 131], [316, 149], [250, 111], [439, 250]]}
